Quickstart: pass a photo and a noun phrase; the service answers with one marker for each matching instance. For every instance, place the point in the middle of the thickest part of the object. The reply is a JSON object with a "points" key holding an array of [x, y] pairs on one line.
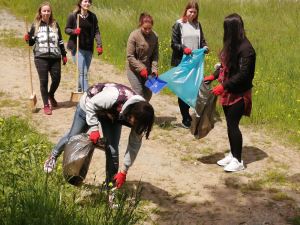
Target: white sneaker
{"points": [[226, 160], [234, 166], [49, 164]]}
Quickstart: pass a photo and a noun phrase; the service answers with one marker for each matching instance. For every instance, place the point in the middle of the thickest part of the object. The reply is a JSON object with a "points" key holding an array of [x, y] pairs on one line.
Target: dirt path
{"points": [[181, 181]]}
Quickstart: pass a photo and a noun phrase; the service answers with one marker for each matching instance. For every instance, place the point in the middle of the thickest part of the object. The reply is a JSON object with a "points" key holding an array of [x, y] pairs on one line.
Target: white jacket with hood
{"points": [[104, 101]]}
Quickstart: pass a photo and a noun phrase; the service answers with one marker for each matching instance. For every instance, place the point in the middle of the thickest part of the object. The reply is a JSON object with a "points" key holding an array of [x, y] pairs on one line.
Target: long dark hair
{"points": [[234, 34], [143, 114], [192, 4]]}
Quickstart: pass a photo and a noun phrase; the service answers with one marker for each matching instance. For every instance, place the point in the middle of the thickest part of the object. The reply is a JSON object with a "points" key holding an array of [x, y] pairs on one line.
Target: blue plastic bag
{"points": [[185, 79], [155, 84]]}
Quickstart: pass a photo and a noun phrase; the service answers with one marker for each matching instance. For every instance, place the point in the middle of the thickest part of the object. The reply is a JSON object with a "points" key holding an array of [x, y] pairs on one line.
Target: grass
{"points": [[270, 25], [28, 196]]}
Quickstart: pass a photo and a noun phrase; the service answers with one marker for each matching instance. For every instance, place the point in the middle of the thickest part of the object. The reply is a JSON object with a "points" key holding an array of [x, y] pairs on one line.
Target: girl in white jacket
{"points": [[102, 111]]}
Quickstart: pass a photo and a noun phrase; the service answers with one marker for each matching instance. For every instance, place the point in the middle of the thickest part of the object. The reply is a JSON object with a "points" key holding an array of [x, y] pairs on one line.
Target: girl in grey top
{"points": [[142, 56], [187, 35]]}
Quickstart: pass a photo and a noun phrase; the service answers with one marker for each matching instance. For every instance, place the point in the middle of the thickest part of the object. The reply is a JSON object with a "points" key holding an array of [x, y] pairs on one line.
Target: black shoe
{"points": [[186, 124]]}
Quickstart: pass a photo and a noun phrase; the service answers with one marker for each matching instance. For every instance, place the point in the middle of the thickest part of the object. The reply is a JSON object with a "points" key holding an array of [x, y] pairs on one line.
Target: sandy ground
{"points": [[181, 181]]}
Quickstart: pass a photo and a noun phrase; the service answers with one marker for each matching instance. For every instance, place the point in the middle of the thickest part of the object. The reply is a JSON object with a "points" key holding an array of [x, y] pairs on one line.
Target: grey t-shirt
{"points": [[190, 35]]}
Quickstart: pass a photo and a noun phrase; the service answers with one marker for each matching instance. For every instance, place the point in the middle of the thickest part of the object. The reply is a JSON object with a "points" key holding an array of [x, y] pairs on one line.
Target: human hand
{"points": [[144, 73], [94, 136], [65, 60], [154, 74], [99, 50], [120, 179], [187, 51], [218, 90], [206, 50], [217, 66], [76, 31], [26, 37], [208, 79]]}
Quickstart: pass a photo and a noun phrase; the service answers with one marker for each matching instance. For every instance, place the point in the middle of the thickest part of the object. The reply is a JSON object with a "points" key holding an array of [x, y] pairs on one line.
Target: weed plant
{"points": [[29, 196], [271, 25]]}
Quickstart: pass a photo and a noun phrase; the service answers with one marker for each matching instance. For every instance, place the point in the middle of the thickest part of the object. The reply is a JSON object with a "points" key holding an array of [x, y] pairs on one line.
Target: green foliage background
{"points": [[272, 26]]}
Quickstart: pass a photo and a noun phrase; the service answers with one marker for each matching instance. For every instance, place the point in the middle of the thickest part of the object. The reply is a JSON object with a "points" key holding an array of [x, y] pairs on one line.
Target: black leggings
{"points": [[43, 66], [184, 109], [233, 114]]}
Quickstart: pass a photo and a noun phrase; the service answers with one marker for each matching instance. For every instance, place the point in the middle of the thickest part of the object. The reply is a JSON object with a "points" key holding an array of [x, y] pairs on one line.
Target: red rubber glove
{"points": [[187, 51], [94, 136], [144, 73], [120, 179], [218, 90], [100, 51], [76, 31], [208, 79], [65, 60], [26, 37]]}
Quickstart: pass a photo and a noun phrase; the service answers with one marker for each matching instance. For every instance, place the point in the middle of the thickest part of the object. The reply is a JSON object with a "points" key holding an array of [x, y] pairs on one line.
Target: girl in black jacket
{"points": [[48, 51], [88, 31], [187, 35], [235, 75]]}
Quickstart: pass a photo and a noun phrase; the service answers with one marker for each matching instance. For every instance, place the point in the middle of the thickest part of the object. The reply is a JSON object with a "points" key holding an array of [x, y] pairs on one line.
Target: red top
{"points": [[228, 98]]}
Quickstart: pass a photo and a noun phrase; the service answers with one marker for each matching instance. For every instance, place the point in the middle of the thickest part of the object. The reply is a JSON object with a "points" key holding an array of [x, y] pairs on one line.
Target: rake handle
{"points": [[77, 50]]}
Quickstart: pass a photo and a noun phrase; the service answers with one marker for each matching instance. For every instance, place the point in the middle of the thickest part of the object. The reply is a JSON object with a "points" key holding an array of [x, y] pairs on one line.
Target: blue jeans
{"points": [[111, 131], [84, 62], [79, 126]]}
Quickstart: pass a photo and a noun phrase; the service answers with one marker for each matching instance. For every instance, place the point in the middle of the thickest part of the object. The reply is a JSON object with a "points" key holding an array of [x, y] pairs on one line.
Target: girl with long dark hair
{"points": [[235, 76], [101, 112]]}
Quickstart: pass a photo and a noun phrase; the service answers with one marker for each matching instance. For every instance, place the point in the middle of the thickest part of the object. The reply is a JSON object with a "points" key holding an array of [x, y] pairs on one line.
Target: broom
{"points": [[32, 98], [75, 96]]}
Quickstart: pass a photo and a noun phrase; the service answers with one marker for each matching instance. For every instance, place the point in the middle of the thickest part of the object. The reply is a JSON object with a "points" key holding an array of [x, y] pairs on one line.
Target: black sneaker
{"points": [[186, 124]]}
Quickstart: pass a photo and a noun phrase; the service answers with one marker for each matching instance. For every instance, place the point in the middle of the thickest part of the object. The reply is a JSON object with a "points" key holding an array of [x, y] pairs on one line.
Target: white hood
{"points": [[132, 100]]}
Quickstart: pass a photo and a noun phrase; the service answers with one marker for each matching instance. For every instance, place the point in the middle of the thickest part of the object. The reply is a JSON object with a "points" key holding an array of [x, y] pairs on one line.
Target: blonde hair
{"points": [[38, 17]]}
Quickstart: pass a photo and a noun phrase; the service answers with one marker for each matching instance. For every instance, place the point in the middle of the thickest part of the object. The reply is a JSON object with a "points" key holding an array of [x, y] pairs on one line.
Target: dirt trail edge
{"points": [[179, 175]]}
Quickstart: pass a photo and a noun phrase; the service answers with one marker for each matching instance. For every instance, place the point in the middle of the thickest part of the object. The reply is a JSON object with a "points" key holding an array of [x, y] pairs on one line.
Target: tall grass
{"points": [[28, 196], [271, 25]]}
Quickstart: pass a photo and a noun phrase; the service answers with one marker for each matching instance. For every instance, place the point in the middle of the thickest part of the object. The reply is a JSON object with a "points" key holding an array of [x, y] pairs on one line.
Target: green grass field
{"points": [[29, 196], [271, 25]]}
